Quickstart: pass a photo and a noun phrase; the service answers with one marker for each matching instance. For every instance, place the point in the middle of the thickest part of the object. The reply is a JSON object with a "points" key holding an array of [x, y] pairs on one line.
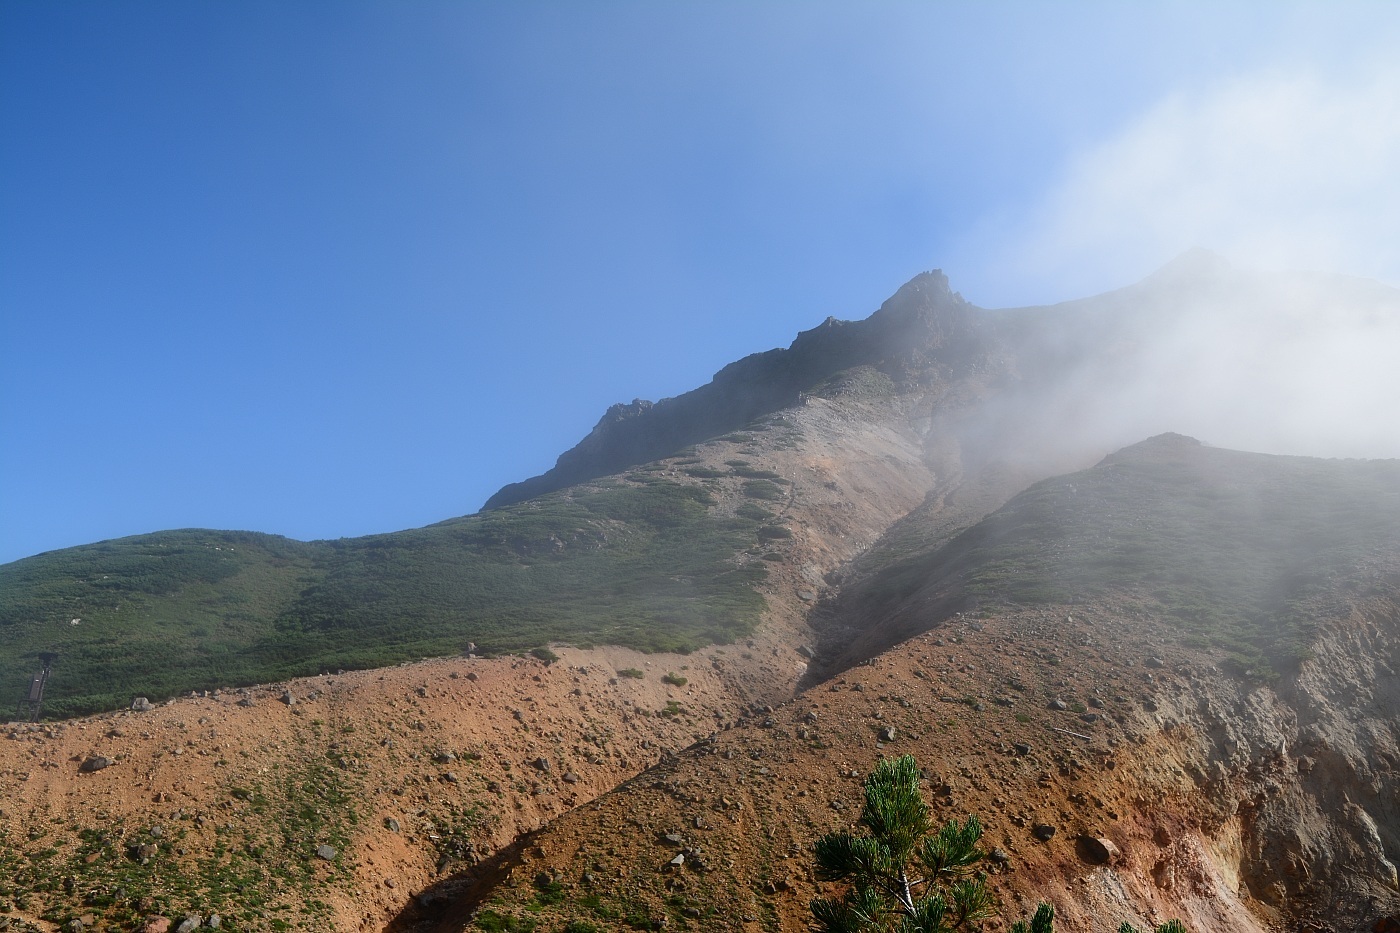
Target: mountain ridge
{"points": [[943, 533]]}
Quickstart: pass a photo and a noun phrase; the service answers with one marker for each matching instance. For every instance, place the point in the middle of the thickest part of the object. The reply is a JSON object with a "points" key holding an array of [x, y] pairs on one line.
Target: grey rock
{"points": [[888, 734], [1043, 831], [190, 924], [141, 705], [570, 778], [326, 852], [95, 763], [287, 698], [1022, 748], [391, 824], [1058, 704]]}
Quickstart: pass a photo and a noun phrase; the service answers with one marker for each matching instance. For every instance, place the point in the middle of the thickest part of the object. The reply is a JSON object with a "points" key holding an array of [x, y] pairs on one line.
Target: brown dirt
{"points": [[1146, 774]]}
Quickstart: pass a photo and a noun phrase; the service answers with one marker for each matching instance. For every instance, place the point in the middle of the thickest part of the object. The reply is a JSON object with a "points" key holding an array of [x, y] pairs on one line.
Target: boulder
{"points": [[95, 763], [1098, 849]]}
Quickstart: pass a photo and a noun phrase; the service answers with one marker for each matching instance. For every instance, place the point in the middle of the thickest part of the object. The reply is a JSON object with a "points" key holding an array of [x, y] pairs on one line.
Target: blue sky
{"points": [[328, 269]]}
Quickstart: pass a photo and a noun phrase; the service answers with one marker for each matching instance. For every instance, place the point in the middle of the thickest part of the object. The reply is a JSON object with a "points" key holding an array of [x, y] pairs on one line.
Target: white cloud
{"points": [[1273, 170]]}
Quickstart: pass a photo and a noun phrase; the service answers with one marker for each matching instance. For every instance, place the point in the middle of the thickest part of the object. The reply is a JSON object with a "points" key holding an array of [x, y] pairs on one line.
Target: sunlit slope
{"points": [[643, 562], [1228, 547]]}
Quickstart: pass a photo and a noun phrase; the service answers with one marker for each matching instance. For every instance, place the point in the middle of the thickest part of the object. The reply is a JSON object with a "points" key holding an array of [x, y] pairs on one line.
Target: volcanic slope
{"points": [[813, 485], [1222, 709], [653, 531]]}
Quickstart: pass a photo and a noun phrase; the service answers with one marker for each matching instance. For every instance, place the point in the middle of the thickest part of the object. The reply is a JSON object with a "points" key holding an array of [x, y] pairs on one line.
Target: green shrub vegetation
{"points": [[904, 875], [763, 489], [1229, 547], [753, 512], [650, 566]]}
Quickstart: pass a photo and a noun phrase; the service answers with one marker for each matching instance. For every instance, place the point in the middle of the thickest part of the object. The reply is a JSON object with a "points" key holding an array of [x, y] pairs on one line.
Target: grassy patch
{"points": [[1230, 548], [648, 565]]}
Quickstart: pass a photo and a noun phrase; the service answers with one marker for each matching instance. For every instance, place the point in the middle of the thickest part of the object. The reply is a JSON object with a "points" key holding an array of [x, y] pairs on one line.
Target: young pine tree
{"points": [[904, 876]]}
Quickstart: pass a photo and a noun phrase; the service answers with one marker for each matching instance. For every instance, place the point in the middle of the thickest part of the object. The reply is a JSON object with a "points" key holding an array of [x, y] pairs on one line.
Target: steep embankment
{"points": [[1186, 652]]}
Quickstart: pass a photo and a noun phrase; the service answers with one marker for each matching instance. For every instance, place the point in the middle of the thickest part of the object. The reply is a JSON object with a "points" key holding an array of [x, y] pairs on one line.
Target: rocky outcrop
{"points": [[924, 332]]}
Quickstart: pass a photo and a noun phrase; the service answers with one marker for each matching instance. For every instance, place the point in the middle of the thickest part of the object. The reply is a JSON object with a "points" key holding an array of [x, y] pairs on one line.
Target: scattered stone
{"points": [[95, 763], [1022, 748], [141, 705], [144, 852], [287, 698], [471, 675], [190, 924], [888, 734], [1155, 662], [325, 852], [1043, 831], [570, 778], [999, 856], [541, 764], [245, 702], [214, 922], [1058, 704], [675, 839], [806, 652], [678, 861], [450, 777], [156, 925], [391, 824]]}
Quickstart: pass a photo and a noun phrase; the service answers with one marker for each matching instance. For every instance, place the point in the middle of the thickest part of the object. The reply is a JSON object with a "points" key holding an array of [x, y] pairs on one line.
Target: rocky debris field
{"points": [[328, 802], [1119, 774]]}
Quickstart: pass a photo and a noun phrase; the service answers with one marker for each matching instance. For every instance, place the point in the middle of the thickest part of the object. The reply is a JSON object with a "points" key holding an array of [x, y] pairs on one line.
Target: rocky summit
{"points": [[1122, 574]]}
